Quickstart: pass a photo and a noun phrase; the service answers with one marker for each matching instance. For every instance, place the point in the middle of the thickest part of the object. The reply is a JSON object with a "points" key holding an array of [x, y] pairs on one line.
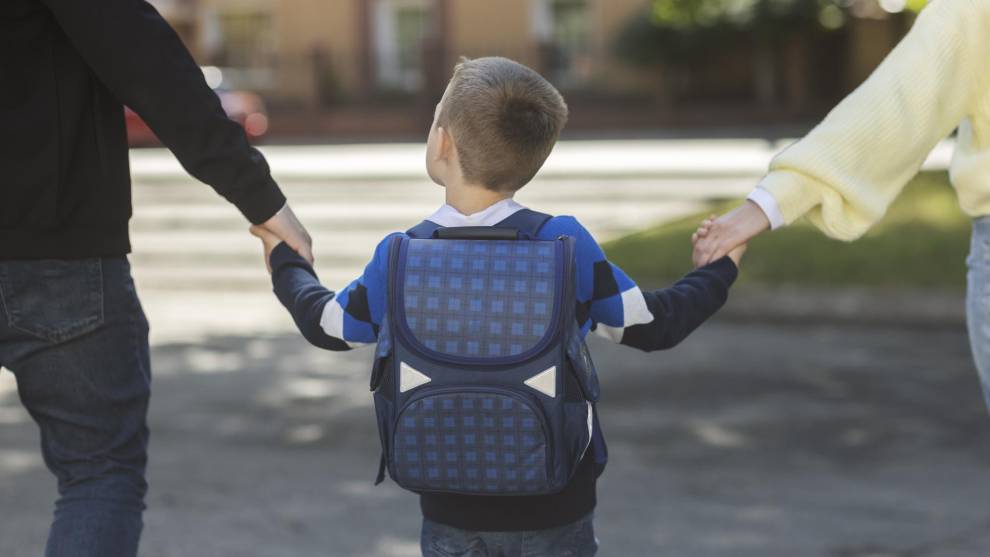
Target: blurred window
{"points": [[246, 39], [564, 29], [400, 29]]}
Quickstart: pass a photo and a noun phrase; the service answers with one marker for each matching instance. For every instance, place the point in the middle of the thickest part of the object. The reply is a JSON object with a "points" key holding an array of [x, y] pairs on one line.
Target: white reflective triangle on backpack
{"points": [[545, 382], [410, 378]]}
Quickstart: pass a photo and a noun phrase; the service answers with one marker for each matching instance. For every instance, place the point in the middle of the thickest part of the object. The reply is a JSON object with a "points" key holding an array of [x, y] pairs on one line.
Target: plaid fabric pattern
{"points": [[479, 298], [473, 442]]}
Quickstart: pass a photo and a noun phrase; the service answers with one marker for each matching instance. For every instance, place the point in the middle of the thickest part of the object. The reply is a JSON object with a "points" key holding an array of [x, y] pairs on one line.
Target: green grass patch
{"points": [[922, 242]]}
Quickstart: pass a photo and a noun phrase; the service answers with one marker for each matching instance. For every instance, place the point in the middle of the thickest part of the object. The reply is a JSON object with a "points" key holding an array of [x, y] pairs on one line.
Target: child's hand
{"points": [[268, 240], [735, 254]]}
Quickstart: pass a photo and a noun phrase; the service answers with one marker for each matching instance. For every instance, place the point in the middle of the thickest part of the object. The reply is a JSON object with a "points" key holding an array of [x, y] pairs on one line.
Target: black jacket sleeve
{"points": [[137, 56], [682, 308], [298, 288]]}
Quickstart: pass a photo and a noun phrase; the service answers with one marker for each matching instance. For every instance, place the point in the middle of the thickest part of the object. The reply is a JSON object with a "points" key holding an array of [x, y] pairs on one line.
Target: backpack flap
{"points": [[490, 302]]}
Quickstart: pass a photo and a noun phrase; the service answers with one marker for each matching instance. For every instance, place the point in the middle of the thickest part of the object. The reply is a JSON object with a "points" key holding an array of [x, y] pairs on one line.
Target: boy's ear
{"points": [[446, 146]]}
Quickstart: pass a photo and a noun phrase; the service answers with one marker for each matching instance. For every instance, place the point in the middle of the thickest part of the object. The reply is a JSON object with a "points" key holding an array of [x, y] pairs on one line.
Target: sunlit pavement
{"points": [[749, 439]]}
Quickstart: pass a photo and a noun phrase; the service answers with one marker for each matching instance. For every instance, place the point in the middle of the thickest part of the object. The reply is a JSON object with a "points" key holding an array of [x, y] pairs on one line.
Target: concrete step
{"points": [[331, 218], [570, 159]]}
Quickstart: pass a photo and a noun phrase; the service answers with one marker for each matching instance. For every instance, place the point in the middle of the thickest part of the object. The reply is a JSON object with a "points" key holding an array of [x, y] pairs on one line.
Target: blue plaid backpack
{"points": [[482, 382]]}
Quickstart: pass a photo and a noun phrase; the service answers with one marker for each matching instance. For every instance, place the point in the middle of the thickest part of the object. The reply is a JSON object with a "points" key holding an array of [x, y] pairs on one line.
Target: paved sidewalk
{"points": [[746, 441]]}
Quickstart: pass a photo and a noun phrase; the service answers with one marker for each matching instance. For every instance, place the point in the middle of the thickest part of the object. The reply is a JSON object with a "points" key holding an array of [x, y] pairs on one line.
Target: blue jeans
{"points": [[978, 301], [75, 337], [574, 540]]}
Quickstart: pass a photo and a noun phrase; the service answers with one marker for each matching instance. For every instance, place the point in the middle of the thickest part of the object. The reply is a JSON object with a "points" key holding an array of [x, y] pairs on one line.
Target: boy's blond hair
{"points": [[504, 118]]}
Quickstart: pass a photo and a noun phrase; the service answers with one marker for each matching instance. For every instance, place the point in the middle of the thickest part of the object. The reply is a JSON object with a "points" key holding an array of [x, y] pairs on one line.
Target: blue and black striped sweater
{"points": [[608, 302]]}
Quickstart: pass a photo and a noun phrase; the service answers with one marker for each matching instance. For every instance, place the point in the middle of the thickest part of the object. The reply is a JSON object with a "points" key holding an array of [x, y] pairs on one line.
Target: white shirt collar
{"points": [[448, 216]]}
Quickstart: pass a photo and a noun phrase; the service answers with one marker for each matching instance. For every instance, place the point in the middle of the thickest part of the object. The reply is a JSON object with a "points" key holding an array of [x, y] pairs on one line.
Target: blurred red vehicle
{"points": [[243, 107]]}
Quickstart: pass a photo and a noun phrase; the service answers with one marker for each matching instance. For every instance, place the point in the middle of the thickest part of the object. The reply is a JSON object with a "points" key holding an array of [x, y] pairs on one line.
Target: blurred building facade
{"points": [[375, 67]]}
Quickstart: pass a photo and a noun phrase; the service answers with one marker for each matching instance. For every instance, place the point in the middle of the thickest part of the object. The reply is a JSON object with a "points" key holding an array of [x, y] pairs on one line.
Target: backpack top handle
{"points": [[524, 224], [478, 233]]}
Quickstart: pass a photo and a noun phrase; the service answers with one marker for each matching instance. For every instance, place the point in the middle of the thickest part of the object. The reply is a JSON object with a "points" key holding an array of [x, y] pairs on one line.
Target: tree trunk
{"points": [[764, 74], [796, 73]]}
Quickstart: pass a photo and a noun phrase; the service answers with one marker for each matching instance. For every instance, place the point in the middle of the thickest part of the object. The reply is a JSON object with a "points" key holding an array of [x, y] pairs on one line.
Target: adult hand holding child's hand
{"points": [[703, 234], [285, 226], [728, 232]]}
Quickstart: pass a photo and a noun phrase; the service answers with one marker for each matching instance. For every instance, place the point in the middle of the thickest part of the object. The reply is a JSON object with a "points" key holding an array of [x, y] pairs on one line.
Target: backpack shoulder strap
{"points": [[525, 220]]}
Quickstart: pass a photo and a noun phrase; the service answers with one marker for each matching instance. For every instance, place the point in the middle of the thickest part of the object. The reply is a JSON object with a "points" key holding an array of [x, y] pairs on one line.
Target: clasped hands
{"points": [[728, 234], [284, 227]]}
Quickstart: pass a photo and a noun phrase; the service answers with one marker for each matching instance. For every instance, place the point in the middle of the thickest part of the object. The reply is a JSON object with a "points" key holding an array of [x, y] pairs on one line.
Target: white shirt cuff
{"points": [[769, 206]]}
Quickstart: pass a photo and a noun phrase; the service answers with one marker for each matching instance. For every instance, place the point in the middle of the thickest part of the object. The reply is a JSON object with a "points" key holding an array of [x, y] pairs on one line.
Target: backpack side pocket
{"points": [[583, 368], [383, 353], [384, 412]]}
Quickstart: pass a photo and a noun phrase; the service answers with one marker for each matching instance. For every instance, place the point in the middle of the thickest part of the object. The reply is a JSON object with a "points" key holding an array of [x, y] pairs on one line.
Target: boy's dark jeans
{"points": [[75, 337], [573, 540]]}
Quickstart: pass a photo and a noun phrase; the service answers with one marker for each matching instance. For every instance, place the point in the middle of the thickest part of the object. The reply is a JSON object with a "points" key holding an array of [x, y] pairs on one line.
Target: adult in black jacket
{"points": [[73, 331]]}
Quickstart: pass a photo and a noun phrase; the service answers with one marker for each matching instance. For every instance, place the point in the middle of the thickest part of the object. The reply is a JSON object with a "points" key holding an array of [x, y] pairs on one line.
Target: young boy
{"points": [[493, 129]]}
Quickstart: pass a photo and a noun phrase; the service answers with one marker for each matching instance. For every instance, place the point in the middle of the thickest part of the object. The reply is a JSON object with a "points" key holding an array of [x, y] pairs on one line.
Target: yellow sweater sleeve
{"points": [[846, 172]]}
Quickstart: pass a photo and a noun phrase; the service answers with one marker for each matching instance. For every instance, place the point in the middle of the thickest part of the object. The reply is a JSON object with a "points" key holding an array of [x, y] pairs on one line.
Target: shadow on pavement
{"points": [[746, 440]]}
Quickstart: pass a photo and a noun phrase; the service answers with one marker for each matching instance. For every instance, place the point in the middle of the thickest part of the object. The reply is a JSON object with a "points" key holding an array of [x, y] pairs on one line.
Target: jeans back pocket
{"points": [[53, 299]]}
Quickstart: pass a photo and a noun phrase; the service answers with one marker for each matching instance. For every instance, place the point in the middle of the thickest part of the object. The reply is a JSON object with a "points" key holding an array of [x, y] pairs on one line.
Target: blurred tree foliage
{"points": [[681, 32]]}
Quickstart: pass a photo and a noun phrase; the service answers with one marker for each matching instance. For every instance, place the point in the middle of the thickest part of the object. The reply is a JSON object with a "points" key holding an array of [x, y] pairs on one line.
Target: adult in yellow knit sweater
{"points": [[845, 173]]}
